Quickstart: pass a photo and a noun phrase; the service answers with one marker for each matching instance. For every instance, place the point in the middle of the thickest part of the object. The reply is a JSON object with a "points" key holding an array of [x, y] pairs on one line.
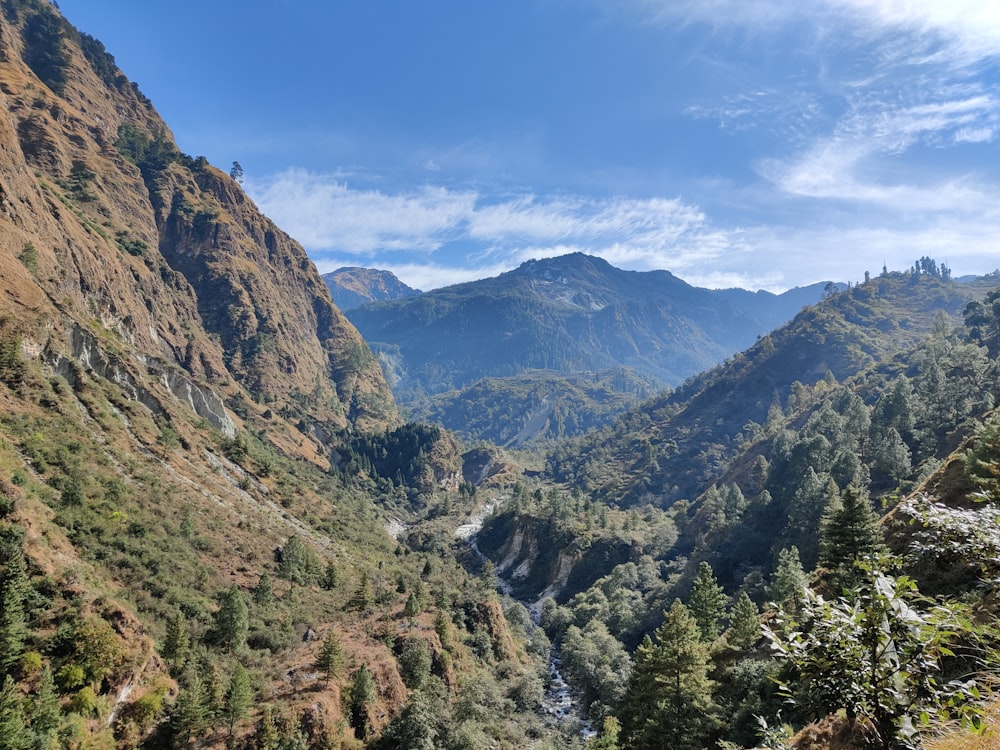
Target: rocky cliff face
{"points": [[106, 227]]}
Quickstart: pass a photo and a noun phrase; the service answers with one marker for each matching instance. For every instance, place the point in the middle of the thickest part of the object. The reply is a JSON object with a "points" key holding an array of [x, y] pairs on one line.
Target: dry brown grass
{"points": [[961, 739]]}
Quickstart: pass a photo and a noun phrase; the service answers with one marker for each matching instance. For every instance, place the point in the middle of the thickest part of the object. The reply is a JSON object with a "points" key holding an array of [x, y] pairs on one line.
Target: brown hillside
{"points": [[106, 226]]}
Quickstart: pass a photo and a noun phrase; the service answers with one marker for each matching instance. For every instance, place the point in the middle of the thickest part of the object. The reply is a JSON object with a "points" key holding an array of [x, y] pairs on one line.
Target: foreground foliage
{"points": [[881, 653]]}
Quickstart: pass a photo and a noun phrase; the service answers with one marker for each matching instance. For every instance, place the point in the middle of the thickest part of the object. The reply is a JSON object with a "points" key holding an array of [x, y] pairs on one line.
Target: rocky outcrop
{"points": [[537, 559], [86, 355]]}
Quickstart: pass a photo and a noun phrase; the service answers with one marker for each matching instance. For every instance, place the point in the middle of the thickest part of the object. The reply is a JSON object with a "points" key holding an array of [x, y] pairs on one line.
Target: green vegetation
{"points": [[708, 563], [535, 407], [29, 257], [45, 50], [881, 654]]}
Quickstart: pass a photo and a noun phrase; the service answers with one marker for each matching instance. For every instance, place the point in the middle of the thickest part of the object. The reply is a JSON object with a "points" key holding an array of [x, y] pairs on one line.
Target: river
{"points": [[561, 705]]}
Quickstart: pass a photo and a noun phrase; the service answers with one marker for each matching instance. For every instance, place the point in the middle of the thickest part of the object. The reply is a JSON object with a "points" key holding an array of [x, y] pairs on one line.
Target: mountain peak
{"points": [[352, 286]]}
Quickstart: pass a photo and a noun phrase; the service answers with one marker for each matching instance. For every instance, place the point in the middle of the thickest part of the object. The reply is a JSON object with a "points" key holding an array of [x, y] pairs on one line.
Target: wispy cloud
{"points": [[340, 224], [322, 212], [857, 95], [969, 30]]}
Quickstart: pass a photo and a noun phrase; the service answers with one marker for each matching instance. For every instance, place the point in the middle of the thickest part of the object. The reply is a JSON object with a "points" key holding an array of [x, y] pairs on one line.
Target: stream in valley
{"points": [[560, 706]]}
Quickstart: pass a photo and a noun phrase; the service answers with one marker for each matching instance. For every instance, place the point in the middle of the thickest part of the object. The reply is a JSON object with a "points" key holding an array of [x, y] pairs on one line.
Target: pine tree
{"points": [[331, 656], [13, 619], [263, 593], [232, 620], [608, 739], [290, 567], [364, 598], [707, 603], [331, 577], [216, 685], [14, 734], [189, 716], [45, 714], [788, 580], [239, 697], [362, 696], [850, 533], [412, 607], [267, 736], [176, 644], [744, 628], [668, 703], [488, 575], [415, 728]]}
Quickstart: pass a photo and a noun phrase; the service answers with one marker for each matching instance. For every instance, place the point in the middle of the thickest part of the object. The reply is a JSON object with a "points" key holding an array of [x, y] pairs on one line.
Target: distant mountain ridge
{"points": [[351, 286], [571, 314]]}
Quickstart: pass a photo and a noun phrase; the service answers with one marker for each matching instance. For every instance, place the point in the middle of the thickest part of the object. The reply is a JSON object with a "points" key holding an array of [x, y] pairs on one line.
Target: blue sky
{"points": [[763, 144]]}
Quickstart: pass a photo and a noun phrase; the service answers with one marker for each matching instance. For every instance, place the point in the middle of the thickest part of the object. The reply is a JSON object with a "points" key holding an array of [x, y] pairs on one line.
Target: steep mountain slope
{"points": [[201, 466], [132, 240], [535, 406], [570, 315], [351, 287], [783, 510], [673, 447]]}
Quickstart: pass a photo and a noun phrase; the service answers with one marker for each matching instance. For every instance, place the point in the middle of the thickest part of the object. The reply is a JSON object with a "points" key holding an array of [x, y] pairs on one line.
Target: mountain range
{"points": [[217, 529], [560, 317]]}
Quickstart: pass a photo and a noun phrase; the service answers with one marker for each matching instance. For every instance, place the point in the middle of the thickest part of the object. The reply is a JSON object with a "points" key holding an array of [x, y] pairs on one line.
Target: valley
{"points": [[569, 506]]}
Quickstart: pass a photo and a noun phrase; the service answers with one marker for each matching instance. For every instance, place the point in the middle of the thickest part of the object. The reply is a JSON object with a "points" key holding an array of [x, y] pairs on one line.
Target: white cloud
{"points": [[322, 212], [332, 219], [975, 135], [970, 29]]}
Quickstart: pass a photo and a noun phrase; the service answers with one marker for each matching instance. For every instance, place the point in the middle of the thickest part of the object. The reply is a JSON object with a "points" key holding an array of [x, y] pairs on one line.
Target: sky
{"points": [[764, 144]]}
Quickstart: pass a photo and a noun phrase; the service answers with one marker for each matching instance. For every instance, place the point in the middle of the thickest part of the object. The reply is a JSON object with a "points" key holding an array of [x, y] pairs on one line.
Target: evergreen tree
{"points": [[412, 607], [176, 644], [789, 579], [707, 603], [232, 620], [668, 703], [215, 683], [331, 577], [13, 619], [263, 593], [415, 663], [45, 714], [362, 696], [744, 629], [267, 736], [299, 563], [811, 500], [331, 656], [14, 734], [189, 716], [850, 533], [364, 598], [890, 456], [488, 575], [414, 729], [239, 697], [608, 739]]}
